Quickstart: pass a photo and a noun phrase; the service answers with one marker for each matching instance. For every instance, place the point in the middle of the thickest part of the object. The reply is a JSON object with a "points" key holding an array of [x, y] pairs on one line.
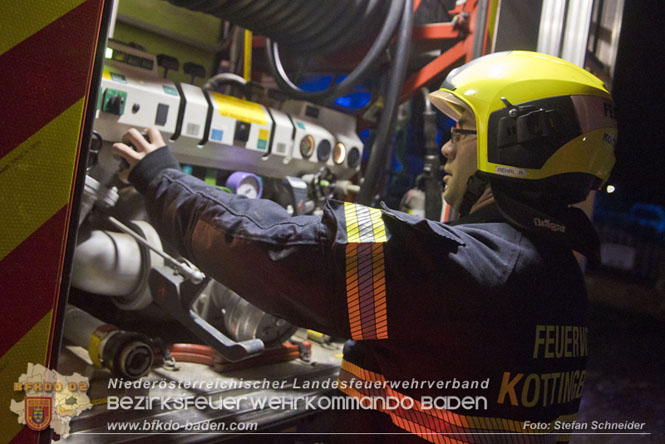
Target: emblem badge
{"points": [[38, 412]]}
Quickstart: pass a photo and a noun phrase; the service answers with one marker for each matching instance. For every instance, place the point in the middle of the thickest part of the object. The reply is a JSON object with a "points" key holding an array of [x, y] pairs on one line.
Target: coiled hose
{"points": [[311, 26], [323, 26], [356, 76]]}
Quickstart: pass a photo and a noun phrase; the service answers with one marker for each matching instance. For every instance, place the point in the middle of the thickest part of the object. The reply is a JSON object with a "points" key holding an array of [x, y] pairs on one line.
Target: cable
{"points": [[381, 147], [356, 76], [216, 82]]}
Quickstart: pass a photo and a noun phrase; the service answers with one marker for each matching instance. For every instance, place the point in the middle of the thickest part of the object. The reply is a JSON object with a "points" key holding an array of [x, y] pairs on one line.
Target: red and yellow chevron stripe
{"points": [[47, 51], [365, 272], [438, 425]]}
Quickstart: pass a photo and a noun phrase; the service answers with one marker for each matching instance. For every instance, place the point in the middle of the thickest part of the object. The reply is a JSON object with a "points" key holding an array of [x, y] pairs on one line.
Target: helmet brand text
{"points": [[546, 223]]}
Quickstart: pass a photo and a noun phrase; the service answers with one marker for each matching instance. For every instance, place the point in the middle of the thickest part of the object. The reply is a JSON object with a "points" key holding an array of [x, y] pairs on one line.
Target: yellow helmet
{"points": [[543, 123]]}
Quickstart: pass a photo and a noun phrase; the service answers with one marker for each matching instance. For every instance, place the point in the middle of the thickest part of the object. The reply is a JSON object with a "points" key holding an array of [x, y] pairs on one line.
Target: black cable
{"points": [[356, 76], [376, 165]]}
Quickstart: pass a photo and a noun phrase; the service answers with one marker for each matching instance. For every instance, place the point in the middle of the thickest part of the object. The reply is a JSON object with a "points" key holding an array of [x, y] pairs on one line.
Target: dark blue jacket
{"points": [[479, 303]]}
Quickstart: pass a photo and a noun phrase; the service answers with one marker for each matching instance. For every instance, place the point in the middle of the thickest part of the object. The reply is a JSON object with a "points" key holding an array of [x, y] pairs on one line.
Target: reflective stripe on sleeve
{"points": [[365, 272], [438, 425]]}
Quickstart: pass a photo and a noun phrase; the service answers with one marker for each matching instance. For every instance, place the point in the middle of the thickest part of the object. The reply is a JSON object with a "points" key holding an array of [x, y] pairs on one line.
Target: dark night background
{"points": [[639, 92]]}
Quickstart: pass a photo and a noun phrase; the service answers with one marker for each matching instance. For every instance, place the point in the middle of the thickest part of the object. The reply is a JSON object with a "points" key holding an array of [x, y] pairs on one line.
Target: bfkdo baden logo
{"points": [[51, 399], [38, 411]]}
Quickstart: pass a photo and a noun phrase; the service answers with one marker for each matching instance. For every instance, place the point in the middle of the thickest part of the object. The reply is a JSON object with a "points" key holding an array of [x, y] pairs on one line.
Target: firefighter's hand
{"points": [[135, 147]]}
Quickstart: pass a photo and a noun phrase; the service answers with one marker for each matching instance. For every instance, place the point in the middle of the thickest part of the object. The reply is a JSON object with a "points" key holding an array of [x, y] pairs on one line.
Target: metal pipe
{"points": [[433, 187], [127, 354], [481, 20], [551, 26], [107, 263], [184, 269], [576, 34], [114, 17], [115, 264]]}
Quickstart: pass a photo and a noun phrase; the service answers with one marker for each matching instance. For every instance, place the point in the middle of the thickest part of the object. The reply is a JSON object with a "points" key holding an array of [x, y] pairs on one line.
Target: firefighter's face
{"points": [[461, 163]]}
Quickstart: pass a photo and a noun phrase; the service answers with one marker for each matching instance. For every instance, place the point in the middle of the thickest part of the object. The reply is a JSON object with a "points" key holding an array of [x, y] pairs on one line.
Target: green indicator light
{"points": [[170, 90], [109, 53], [118, 77]]}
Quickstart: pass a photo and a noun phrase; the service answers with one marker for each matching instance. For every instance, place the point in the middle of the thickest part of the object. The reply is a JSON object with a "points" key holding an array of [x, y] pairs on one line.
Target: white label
{"points": [[192, 129], [509, 171]]}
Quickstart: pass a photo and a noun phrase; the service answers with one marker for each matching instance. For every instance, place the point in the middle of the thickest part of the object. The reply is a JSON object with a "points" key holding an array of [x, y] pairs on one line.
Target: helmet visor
{"points": [[449, 104]]}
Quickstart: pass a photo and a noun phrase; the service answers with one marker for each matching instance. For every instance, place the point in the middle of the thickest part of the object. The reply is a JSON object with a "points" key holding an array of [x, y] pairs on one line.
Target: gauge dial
{"points": [[307, 146], [339, 153], [245, 184]]}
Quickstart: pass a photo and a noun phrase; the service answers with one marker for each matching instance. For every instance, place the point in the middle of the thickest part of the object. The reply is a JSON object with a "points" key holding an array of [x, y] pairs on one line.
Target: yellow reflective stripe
{"points": [[364, 224], [365, 272], [352, 232], [23, 18], [378, 225], [31, 348], [36, 177]]}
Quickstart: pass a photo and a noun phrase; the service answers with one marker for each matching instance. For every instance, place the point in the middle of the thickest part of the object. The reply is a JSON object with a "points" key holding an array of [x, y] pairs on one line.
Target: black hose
{"points": [[302, 25], [381, 149], [347, 24], [311, 27], [356, 76], [316, 38]]}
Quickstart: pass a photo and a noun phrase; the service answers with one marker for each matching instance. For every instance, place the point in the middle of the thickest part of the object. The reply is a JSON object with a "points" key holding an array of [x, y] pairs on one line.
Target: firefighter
{"points": [[468, 332]]}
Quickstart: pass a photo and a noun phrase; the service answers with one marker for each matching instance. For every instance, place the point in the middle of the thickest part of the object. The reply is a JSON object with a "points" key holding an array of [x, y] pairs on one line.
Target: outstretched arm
{"points": [[298, 268]]}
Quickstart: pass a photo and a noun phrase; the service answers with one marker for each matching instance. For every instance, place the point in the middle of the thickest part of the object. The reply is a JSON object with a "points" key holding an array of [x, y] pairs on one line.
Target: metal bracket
{"points": [[175, 294]]}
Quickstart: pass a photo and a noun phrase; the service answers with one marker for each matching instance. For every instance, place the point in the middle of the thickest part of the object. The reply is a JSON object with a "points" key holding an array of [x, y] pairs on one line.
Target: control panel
{"points": [[210, 129]]}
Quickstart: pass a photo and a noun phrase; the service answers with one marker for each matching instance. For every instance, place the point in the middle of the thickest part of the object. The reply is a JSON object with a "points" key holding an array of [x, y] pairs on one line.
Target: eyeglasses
{"points": [[457, 133]]}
